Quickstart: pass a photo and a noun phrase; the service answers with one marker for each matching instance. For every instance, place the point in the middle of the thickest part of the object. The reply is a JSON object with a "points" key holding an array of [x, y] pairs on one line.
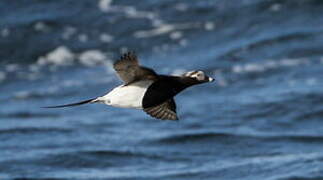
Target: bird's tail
{"points": [[93, 100]]}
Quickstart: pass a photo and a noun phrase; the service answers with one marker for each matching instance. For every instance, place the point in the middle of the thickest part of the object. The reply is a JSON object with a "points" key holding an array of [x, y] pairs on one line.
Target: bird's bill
{"points": [[210, 79]]}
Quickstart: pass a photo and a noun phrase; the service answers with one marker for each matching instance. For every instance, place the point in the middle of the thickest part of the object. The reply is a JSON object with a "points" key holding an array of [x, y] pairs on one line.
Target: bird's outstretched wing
{"points": [[129, 70], [164, 111]]}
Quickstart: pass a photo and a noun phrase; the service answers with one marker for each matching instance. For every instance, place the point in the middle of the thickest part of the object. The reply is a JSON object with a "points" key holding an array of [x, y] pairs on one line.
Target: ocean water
{"points": [[261, 120]]}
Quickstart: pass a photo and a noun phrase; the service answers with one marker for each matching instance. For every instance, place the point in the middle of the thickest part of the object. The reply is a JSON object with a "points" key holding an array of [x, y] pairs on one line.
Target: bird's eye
{"points": [[199, 76]]}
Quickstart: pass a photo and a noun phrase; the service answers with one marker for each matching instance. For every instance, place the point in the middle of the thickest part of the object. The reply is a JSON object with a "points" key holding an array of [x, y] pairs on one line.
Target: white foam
{"points": [[2, 76], [254, 67], [105, 5], [106, 38], [68, 32], [92, 57], [237, 69], [183, 42], [83, 38], [291, 62], [132, 12], [5, 32], [209, 26], [124, 49], [269, 64], [154, 32], [276, 7], [157, 22], [162, 29], [12, 67], [60, 56], [22, 94], [63, 56], [41, 26], [72, 83], [176, 35]]}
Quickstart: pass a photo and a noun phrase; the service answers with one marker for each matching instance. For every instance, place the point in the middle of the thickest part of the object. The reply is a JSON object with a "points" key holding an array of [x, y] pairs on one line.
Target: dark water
{"points": [[261, 120]]}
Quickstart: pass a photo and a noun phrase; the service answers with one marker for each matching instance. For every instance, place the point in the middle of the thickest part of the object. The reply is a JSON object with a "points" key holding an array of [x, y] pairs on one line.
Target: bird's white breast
{"points": [[129, 96]]}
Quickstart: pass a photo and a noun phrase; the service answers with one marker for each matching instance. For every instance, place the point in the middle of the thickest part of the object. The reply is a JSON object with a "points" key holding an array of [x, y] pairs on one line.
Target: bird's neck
{"points": [[181, 83]]}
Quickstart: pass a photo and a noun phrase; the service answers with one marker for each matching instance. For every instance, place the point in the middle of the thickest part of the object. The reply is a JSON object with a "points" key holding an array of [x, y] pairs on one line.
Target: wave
{"points": [[219, 137], [89, 158], [315, 114], [33, 130], [286, 106], [27, 115], [191, 137], [36, 178], [53, 92], [303, 178], [123, 154]]}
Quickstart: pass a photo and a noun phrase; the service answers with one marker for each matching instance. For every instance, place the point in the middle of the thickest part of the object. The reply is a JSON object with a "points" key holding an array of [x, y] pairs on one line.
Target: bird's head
{"points": [[198, 76]]}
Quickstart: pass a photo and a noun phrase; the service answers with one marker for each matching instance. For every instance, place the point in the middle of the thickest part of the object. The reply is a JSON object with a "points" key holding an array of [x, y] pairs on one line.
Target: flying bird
{"points": [[144, 89]]}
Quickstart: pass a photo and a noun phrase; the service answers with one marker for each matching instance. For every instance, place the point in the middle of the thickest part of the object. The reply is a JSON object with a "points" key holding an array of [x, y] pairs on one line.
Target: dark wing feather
{"points": [[164, 111], [128, 69]]}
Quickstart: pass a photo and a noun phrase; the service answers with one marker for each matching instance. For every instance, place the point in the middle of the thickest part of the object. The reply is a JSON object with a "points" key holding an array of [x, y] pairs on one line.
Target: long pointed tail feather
{"points": [[73, 104]]}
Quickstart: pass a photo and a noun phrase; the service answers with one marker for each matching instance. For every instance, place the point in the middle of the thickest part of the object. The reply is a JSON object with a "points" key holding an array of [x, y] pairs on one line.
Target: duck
{"points": [[144, 89]]}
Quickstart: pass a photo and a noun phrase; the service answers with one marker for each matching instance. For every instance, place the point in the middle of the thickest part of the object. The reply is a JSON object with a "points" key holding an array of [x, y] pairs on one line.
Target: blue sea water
{"points": [[261, 120]]}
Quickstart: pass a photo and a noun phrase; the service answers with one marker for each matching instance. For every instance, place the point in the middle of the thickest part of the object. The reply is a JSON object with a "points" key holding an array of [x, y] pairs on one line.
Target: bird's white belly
{"points": [[129, 96]]}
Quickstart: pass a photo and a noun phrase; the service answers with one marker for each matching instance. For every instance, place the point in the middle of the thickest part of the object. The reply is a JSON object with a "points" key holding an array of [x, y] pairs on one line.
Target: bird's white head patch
{"points": [[199, 76]]}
